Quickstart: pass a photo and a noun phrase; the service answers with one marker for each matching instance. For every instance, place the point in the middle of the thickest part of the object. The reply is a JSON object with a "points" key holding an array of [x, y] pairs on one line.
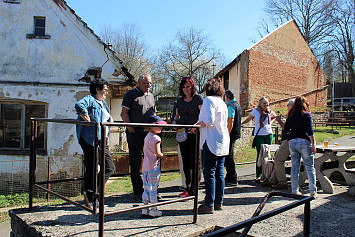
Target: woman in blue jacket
{"points": [[93, 108]]}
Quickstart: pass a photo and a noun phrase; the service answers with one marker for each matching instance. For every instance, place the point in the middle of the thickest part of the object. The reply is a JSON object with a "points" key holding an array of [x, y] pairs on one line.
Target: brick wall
{"points": [[280, 66]]}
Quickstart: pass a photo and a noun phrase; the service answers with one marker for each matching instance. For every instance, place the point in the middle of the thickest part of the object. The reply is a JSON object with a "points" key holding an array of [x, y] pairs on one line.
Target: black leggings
{"points": [[89, 152], [187, 149]]}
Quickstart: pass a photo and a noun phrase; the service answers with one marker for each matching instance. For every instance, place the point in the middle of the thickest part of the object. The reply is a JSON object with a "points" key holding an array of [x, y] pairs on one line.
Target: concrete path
{"points": [[331, 215]]}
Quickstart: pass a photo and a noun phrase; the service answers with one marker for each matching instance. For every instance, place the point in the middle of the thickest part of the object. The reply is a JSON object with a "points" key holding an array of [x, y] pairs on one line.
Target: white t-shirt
{"points": [[266, 130], [214, 114]]}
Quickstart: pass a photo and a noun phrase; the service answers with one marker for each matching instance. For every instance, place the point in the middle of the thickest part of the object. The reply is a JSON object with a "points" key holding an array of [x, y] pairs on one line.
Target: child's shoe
{"points": [[145, 211], [154, 212]]}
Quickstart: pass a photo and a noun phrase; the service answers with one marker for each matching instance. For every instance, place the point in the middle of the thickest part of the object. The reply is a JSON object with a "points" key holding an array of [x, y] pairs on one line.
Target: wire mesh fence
{"points": [[15, 176]]}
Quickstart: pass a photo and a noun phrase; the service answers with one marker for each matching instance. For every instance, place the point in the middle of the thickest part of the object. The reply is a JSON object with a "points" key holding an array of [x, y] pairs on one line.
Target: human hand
{"points": [[192, 130], [86, 118], [314, 150]]}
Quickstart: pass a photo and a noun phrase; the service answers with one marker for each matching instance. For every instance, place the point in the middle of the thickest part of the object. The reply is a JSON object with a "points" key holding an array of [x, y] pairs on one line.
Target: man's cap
{"points": [[155, 119]]}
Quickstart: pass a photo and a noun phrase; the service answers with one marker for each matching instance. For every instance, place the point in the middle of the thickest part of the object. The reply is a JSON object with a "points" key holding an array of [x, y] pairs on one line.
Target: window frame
{"points": [[35, 26], [22, 150]]}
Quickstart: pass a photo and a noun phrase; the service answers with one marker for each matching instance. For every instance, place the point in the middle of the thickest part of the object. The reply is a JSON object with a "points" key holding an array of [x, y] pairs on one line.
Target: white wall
{"points": [[59, 61]]}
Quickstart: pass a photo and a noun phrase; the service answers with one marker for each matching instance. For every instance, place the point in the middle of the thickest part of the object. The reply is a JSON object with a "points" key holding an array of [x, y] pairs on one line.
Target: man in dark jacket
{"points": [[234, 129]]}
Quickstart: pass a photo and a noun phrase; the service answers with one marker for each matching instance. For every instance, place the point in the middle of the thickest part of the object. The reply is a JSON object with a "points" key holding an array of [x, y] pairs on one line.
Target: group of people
{"points": [[219, 116], [297, 140]]}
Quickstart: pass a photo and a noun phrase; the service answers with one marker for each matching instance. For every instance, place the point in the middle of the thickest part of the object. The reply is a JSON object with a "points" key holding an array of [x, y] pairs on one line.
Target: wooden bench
{"points": [[336, 124]]}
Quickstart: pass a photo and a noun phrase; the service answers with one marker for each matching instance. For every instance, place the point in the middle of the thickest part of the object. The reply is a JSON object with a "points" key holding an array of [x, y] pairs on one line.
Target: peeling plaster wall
{"points": [[60, 61], [64, 58]]}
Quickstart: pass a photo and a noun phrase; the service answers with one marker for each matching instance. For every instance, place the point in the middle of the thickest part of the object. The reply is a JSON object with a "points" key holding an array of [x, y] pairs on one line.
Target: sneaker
{"points": [[218, 206], [184, 194], [203, 209], [154, 212], [280, 186], [231, 184], [297, 192], [314, 195], [145, 211]]}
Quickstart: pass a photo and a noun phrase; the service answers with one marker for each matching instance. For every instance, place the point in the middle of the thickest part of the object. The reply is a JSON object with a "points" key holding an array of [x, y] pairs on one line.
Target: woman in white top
{"points": [[263, 117], [214, 142]]}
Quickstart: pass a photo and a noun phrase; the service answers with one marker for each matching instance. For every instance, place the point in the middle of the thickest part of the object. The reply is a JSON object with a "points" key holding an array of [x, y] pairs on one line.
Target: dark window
{"points": [[13, 1], [40, 26], [39, 31], [15, 126]]}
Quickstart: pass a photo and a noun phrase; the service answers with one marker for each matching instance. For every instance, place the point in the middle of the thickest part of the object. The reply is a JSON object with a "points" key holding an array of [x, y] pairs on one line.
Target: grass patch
{"points": [[13, 200], [321, 133], [247, 154]]}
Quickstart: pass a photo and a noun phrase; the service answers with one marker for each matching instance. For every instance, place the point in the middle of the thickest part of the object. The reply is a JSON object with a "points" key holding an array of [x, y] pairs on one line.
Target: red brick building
{"points": [[281, 65]]}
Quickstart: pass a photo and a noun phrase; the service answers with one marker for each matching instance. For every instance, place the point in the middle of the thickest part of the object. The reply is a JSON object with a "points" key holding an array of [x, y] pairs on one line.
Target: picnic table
{"points": [[331, 153], [323, 175]]}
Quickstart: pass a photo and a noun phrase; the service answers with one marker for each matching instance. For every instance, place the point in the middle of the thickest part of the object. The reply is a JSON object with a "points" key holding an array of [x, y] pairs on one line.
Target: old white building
{"points": [[47, 57]]}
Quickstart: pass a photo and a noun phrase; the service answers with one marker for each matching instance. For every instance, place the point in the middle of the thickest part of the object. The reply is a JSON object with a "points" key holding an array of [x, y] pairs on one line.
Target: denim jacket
{"points": [[89, 105]]}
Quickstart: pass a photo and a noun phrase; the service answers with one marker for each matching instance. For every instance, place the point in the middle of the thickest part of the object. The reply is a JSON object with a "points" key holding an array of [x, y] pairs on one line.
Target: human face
{"points": [[156, 130], [187, 88], [265, 104], [101, 94], [145, 84]]}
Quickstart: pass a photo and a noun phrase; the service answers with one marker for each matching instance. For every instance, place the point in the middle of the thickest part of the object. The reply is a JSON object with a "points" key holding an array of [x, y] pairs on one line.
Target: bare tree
{"points": [[343, 35], [191, 53], [128, 42], [312, 16]]}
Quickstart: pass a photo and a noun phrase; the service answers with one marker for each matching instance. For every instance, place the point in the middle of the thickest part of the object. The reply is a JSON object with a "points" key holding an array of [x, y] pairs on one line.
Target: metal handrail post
{"points": [[197, 173], [31, 181], [306, 219], [102, 180], [95, 170]]}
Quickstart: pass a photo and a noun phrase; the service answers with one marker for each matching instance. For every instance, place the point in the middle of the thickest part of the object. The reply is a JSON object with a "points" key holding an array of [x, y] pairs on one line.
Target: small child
{"points": [[151, 166]]}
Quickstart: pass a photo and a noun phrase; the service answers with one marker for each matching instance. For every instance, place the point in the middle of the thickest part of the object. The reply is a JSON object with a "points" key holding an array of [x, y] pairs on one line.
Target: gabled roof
{"points": [[235, 61], [116, 61]]}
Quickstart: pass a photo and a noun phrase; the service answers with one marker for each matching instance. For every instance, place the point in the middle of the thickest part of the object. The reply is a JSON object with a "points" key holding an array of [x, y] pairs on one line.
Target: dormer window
{"points": [[39, 24]]}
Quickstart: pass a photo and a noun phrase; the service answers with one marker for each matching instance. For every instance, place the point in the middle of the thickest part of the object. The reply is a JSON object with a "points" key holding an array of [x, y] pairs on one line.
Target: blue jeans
{"points": [[213, 172], [300, 147]]}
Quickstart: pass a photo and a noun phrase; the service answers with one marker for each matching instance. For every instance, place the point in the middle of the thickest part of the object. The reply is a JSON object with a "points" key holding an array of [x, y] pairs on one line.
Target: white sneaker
{"points": [[154, 212], [314, 195], [145, 211], [297, 192]]}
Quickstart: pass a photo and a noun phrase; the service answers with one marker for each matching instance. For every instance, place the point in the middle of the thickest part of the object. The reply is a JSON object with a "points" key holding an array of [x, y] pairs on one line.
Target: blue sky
{"points": [[231, 24]]}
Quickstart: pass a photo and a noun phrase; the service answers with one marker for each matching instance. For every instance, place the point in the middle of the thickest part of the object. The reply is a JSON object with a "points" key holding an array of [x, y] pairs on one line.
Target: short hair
{"points": [[97, 83], [143, 76], [183, 82], [229, 94], [214, 87]]}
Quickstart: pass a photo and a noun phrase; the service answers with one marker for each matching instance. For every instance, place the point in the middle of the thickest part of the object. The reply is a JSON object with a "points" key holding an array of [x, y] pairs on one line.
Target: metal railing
{"points": [[247, 224], [99, 188]]}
